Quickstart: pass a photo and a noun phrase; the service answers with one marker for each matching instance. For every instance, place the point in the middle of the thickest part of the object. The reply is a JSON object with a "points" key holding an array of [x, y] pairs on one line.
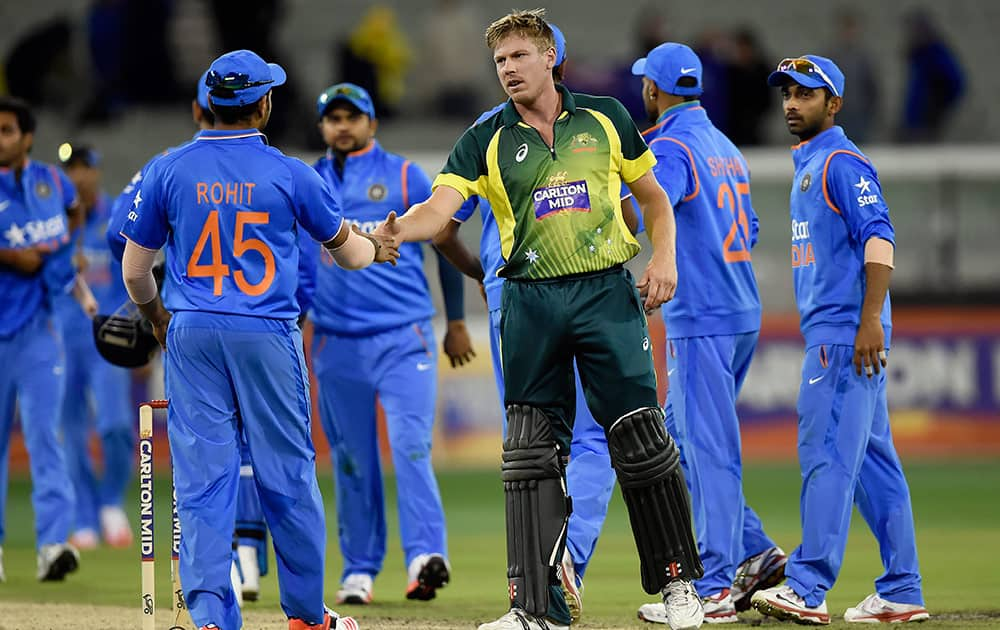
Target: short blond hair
{"points": [[529, 24]]}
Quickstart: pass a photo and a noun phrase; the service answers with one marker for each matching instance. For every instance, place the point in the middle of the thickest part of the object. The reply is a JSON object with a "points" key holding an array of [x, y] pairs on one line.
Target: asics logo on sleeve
{"points": [[522, 152]]}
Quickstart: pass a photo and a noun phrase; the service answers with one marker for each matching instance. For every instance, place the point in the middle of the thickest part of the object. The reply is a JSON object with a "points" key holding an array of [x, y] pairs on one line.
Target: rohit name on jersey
{"points": [[240, 193], [802, 248]]}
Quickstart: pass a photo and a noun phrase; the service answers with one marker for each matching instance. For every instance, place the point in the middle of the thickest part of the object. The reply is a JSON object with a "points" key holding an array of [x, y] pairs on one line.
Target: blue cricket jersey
{"points": [[708, 183], [229, 208], [836, 206], [103, 271], [378, 298], [33, 214]]}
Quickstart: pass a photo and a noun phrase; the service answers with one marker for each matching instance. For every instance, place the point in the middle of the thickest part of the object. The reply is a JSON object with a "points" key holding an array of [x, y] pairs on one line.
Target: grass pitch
{"points": [[958, 530]]}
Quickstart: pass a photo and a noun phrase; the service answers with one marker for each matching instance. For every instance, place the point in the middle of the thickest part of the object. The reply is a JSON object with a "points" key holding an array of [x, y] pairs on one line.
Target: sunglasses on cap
{"points": [[231, 82], [806, 66]]}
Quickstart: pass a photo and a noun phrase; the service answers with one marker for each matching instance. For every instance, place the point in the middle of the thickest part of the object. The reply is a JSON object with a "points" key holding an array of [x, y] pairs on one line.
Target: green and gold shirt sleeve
{"points": [[465, 170], [636, 156]]}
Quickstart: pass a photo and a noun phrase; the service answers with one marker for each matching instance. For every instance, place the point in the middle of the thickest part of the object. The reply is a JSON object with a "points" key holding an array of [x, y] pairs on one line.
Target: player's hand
{"points": [[457, 344], [385, 246], [27, 260], [482, 293], [658, 282], [389, 227], [89, 305], [160, 326], [869, 348]]}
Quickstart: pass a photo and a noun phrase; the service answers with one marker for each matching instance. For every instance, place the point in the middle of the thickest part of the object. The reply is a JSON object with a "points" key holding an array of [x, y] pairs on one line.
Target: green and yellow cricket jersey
{"points": [[558, 210]]}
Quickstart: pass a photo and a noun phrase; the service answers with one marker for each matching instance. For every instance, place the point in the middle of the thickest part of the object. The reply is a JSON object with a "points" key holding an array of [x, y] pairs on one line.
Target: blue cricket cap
{"points": [[811, 71], [349, 92], [666, 64], [202, 97], [560, 44], [241, 77]]}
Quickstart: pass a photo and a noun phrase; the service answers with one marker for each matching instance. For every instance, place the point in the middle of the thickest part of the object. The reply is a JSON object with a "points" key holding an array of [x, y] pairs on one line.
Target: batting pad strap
{"points": [[659, 508], [537, 508]]}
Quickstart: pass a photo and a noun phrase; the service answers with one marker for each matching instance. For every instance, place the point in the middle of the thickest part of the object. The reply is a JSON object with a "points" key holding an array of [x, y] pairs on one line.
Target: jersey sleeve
{"points": [[467, 209], [637, 159], [68, 189], [673, 169], [145, 222], [465, 170], [851, 188], [316, 206], [308, 260], [418, 185]]}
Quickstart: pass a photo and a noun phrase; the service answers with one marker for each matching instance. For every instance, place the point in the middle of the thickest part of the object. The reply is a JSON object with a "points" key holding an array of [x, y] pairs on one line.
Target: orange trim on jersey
{"points": [[668, 119], [402, 179], [694, 171], [826, 166], [359, 152]]}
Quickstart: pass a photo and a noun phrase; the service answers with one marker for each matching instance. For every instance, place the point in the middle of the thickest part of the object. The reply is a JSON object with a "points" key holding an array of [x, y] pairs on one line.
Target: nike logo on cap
{"points": [[687, 70]]}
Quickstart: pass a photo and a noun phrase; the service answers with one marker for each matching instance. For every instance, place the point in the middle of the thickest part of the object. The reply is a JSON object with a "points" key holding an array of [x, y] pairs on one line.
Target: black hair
{"points": [[26, 121], [208, 115], [342, 103], [688, 81], [81, 155], [232, 114]]}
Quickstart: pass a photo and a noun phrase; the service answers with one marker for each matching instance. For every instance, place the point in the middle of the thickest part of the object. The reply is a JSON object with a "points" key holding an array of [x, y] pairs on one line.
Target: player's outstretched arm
{"points": [[423, 220], [659, 280], [455, 251], [353, 249]]}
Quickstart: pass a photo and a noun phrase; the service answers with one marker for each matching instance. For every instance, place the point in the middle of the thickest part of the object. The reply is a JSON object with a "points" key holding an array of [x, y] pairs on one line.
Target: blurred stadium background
{"points": [[119, 75]]}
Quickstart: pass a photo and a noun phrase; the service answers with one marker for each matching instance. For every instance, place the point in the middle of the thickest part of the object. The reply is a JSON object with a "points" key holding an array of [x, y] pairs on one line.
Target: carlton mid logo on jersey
{"points": [[568, 197], [802, 248]]}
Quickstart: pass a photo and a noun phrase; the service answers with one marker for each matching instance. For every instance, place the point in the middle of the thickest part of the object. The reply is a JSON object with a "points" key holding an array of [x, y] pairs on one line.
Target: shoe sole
{"points": [[721, 618], [354, 600], [777, 611], [915, 616], [572, 595], [249, 595], [774, 578], [64, 563], [432, 576]]}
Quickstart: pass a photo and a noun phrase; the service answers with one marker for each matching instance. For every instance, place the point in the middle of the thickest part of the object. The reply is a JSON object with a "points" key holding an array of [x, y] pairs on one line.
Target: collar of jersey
{"points": [[820, 143], [6, 170], [235, 134], [372, 148], [510, 117], [672, 115]]}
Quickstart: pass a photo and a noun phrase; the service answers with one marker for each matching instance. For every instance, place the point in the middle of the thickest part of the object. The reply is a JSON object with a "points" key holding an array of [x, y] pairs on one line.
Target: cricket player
{"points": [[373, 339], [36, 265], [229, 208], [90, 380], [842, 258], [590, 479], [551, 164], [712, 326]]}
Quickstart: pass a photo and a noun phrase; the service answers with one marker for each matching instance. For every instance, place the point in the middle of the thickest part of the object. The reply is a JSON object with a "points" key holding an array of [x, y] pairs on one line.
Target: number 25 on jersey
{"points": [[211, 237]]}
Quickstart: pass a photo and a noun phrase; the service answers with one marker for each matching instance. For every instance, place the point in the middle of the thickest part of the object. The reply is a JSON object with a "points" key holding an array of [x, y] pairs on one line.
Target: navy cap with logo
{"points": [[811, 71], [667, 64], [348, 92], [241, 77]]}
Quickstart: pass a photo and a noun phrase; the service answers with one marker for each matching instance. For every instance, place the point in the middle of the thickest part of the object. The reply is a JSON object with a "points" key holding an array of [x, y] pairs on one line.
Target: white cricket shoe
{"points": [[718, 609], [426, 574], [572, 588], [56, 560], [517, 619], [3, 576], [250, 570], [683, 607], [85, 539], [355, 589], [874, 609], [764, 570], [781, 602], [115, 527]]}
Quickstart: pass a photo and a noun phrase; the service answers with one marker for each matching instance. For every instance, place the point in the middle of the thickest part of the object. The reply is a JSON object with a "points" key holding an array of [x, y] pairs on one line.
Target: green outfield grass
{"points": [[957, 506]]}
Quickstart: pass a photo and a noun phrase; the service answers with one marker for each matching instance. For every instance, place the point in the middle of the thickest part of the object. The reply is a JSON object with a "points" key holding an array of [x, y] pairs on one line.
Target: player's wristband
{"points": [[878, 250]]}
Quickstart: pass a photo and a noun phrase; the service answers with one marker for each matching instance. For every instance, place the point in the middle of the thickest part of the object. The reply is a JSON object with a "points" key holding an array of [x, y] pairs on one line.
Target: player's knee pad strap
{"points": [[648, 465], [537, 508]]}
